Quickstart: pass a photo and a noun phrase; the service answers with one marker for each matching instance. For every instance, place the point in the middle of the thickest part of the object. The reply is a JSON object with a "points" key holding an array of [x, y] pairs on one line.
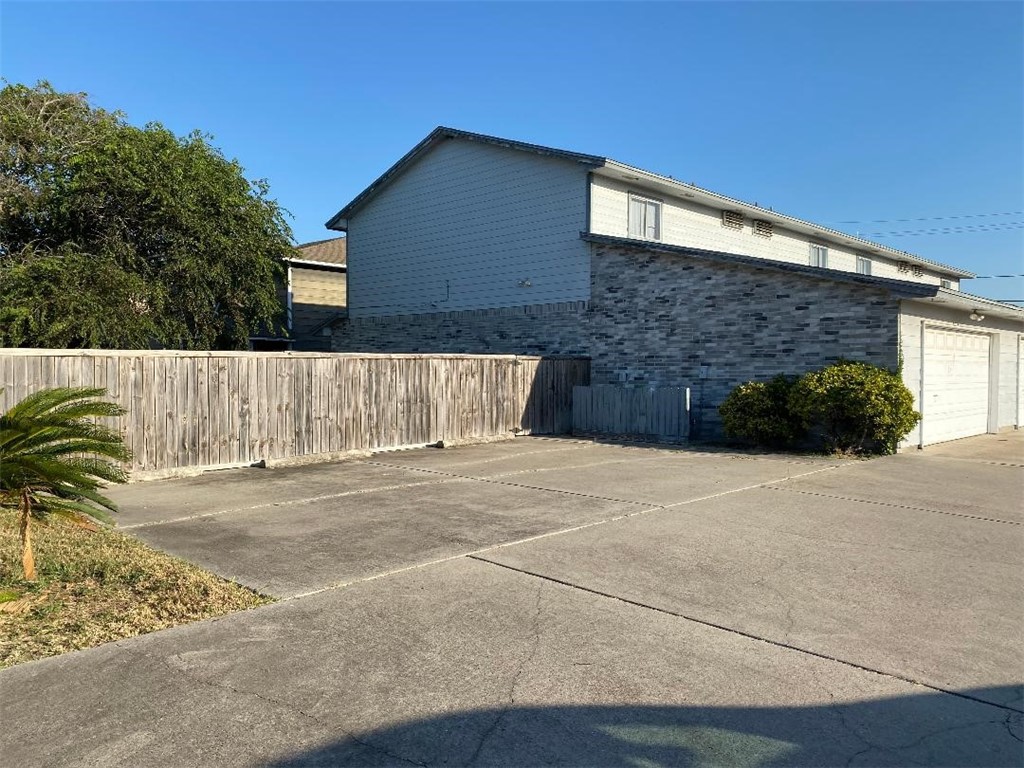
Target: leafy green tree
{"points": [[116, 236], [53, 458]]}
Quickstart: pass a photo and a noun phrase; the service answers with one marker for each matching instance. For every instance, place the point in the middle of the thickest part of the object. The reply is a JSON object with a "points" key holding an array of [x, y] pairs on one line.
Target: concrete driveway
{"points": [[558, 602]]}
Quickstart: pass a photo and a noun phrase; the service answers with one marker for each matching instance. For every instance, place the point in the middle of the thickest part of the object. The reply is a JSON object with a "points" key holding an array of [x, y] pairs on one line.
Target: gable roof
{"points": [[435, 137], [330, 252], [612, 168]]}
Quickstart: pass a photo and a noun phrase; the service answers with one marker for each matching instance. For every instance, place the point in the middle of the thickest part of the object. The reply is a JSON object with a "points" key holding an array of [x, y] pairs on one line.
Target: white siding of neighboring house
{"points": [[1005, 334], [465, 228], [690, 224]]}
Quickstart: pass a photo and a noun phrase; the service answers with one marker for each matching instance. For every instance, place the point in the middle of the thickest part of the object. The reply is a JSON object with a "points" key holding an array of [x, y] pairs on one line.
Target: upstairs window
{"points": [[946, 283], [863, 265], [644, 218], [819, 255]]}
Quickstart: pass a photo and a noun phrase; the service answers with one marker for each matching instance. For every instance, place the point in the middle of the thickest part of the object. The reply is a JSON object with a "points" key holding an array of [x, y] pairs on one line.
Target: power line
{"points": [[934, 218], [986, 277], [965, 229]]}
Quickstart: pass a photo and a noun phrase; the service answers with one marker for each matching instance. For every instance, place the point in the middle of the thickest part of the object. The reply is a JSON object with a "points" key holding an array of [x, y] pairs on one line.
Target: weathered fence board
{"points": [[202, 409], [660, 413]]}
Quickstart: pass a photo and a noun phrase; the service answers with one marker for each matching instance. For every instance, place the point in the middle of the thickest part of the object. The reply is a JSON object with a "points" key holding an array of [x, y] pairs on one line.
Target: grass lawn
{"points": [[98, 586]]}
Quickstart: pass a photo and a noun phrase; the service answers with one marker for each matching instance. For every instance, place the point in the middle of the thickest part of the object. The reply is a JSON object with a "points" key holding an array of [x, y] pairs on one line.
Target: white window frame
{"points": [[864, 265], [642, 230], [818, 256]]}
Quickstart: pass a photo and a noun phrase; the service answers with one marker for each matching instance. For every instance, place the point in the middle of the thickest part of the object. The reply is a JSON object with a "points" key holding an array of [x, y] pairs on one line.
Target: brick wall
{"points": [[655, 319], [544, 329], [674, 314]]}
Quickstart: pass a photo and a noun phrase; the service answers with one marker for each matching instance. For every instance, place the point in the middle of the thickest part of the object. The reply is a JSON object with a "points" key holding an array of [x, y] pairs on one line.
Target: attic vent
{"points": [[918, 271], [762, 228], [732, 219], [903, 266]]}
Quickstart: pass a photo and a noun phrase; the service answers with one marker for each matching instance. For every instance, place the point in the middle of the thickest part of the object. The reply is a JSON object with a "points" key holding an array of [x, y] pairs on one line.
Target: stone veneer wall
{"points": [[655, 319]]}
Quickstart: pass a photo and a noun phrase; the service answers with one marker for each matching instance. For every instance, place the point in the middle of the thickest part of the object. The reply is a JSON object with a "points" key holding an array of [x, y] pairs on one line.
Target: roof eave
{"points": [[900, 288], [971, 302], [339, 266]]}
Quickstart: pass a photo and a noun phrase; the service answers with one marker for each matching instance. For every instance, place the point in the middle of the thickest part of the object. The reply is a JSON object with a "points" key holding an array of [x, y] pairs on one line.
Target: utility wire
{"points": [[986, 277], [959, 227], [961, 230], [934, 218]]}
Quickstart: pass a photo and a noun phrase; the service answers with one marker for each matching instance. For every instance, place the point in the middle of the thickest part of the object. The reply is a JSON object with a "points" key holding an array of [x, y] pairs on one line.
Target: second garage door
{"points": [[956, 384]]}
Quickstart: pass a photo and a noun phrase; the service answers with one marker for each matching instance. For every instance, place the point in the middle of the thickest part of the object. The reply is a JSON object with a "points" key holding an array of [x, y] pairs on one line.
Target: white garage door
{"points": [[956, 370]]}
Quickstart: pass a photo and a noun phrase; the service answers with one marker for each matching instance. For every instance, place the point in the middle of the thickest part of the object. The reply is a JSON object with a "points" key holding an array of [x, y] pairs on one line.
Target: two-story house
{"points": [[478, 244]]}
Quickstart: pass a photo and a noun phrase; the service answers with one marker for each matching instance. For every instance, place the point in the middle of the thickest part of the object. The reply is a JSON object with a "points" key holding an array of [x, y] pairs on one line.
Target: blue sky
{"points": [[831, 112]]}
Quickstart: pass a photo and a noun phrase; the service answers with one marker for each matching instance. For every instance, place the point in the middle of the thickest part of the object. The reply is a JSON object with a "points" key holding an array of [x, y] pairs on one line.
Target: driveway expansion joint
{"points": [[494, 481], [742, 633], [284, 503], [774, 487]]}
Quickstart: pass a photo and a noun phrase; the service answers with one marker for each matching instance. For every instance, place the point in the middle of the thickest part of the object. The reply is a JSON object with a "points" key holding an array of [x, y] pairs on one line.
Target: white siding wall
{"points": [[690, 224], [1006, 334], [463, 227]]}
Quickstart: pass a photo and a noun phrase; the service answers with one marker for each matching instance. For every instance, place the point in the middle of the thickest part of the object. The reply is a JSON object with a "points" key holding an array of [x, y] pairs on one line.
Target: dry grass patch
{"points": [[98, 586]]}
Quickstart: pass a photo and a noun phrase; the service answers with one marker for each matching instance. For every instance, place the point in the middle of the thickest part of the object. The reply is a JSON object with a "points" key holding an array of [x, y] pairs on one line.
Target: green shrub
{"points": [[759, 411], [860, 407]]}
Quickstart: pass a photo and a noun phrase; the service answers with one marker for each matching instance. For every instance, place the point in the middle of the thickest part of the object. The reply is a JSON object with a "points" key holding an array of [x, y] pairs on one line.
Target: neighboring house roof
{"points": [[322, 253], [608, 167]]}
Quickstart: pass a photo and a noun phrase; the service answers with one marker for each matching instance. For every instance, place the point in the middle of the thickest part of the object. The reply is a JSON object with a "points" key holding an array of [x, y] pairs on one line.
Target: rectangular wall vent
{"points": [[903, 266], [732, 219], [762, 228]]}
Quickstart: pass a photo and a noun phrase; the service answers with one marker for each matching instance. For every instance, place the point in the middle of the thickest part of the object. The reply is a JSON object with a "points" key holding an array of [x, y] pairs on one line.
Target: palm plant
{"points": [[53, 458]]}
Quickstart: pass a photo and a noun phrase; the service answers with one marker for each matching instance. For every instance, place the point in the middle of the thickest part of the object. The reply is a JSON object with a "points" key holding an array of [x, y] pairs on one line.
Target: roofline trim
{"points": [[310, 263], [318, 242], [901, 288]]}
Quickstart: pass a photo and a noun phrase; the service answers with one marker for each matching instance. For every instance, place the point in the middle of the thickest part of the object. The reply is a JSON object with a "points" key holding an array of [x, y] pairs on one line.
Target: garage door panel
{"points": [[956, 384]]}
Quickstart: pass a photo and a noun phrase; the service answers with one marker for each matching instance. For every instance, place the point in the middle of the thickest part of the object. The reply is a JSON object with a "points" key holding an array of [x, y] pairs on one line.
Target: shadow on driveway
{"points": [[923, 729]]}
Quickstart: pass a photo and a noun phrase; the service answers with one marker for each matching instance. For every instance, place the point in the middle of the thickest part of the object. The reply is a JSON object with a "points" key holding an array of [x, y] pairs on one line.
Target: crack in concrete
{"points": [[527, 660], [1008, 724], [772, 487], [189, 674], [742, 633]]}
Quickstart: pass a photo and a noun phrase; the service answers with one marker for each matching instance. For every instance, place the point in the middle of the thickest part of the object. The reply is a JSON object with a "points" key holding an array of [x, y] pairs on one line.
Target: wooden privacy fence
{"points": [[203, 409], [648, 413]]}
